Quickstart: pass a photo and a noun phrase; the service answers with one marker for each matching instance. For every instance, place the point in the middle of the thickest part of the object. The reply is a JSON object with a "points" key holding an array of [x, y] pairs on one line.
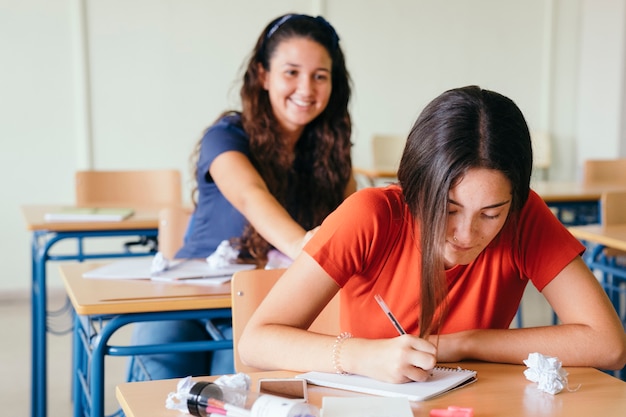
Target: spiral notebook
{"points": [[442, 380]]}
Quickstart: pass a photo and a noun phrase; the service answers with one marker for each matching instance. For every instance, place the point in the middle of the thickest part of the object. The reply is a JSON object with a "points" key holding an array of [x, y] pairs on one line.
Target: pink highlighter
{"points": [[452, 411]]}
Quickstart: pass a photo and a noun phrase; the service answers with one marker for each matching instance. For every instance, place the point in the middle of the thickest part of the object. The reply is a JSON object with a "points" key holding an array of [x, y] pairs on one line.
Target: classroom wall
{"points": [[131, 84]]}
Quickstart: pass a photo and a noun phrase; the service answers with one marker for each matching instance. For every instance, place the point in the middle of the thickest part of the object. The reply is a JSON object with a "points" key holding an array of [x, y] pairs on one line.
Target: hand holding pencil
{"points": [[424, 352]]}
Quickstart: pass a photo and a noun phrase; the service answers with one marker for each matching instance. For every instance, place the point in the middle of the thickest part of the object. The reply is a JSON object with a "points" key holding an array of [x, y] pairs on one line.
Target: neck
{"points": [[291, 139]]}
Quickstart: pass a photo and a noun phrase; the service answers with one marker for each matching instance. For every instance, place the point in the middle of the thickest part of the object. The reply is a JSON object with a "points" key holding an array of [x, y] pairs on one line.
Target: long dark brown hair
{"points": [[322, 154], [461, 129]]}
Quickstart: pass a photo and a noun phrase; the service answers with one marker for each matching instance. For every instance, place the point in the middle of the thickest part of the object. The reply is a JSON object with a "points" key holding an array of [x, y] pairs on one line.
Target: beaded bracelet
{"points": [[337, 351]]}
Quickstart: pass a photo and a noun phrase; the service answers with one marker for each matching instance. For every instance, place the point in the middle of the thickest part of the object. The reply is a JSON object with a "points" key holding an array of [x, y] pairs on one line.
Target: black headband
{"points": [[320, 19]]}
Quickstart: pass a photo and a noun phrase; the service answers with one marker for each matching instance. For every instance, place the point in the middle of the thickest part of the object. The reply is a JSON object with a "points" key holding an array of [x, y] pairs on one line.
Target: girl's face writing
{"points": [[477, 210], [298, 82]]}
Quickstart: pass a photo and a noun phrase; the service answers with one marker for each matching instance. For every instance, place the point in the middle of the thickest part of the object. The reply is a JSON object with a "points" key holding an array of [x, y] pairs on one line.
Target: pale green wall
{"points": [[150, 75]]}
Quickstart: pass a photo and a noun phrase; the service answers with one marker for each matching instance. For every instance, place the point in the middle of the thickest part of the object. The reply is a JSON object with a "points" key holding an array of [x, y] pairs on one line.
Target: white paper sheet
{"points": [[366, 406], [191, 271]]}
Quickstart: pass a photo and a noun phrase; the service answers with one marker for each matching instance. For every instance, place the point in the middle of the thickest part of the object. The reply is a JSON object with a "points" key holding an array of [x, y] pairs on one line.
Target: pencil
{"points": [[389, 314]]}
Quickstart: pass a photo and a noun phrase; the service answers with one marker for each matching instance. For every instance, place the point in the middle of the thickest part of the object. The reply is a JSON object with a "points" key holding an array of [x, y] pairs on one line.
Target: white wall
{"points": [[131, 84], [601, 87]]}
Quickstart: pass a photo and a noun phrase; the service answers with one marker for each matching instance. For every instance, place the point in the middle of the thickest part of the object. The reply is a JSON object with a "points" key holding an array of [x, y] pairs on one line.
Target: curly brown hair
{"points": [[311, 183]]}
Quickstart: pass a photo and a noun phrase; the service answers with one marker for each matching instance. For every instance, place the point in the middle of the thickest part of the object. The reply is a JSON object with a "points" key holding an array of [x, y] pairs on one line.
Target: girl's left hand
{"points": [[449, 346]]}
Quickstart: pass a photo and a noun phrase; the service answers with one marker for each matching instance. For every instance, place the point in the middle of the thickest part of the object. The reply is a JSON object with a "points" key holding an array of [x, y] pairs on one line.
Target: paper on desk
{"points": [[366, 406], [192, 271], [195, 271]]}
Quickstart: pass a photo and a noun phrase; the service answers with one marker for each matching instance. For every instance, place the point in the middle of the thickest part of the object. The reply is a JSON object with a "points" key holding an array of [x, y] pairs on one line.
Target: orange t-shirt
{"points": [[370, 245]]}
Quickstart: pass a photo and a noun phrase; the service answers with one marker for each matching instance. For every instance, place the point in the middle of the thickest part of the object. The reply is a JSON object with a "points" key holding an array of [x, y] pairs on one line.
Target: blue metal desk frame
{"points": [[91, 347], [614, 283], [41, 245], [575, 213]]}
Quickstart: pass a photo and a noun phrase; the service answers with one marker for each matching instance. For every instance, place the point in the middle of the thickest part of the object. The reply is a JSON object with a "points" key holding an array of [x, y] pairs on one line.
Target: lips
{"points": [[300, 103], [460, 248]]}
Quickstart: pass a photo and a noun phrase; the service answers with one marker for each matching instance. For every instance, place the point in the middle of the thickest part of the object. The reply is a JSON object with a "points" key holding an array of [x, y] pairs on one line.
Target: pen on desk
{"points": [[389, 314]]}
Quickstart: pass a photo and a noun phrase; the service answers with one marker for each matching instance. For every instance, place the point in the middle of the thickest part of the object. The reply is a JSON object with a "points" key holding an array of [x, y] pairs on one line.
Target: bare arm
{"points": [[275, 337], [244, 188], [591, 333]]}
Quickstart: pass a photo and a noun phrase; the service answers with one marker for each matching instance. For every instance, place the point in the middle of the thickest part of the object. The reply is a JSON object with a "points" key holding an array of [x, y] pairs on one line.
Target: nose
{"points": [[305, 85], [463, 229]]}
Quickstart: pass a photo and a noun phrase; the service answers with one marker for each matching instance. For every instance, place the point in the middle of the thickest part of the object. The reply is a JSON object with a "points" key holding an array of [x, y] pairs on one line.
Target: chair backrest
{"points": [[248, 289], [604, 171], [613, 207], [138, 189], [387, 151], [173, 222], [613, 211]]}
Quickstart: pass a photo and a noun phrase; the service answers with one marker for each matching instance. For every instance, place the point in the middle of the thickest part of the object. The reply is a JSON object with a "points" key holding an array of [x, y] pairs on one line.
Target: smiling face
{"points": [[478, 207], [298, 82]]}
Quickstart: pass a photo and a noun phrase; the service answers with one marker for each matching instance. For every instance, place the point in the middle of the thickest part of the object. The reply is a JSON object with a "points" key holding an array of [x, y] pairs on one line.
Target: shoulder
{"points": [[379, 199], [225, 134], [229, 124], [543, 245], [359, 232], [375, 209]]}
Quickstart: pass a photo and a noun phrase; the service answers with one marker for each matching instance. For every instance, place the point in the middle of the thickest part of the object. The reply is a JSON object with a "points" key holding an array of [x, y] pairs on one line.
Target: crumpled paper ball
{"points": [[223, 256], [178, 400], [159, 264], [546, 371]]}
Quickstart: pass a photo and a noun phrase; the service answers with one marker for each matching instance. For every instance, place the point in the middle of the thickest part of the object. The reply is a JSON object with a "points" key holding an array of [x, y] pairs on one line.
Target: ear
{"points": [[262, 76]]}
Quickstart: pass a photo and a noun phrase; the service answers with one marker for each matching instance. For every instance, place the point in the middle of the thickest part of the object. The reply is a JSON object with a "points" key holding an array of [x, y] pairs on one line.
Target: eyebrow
{"points": [[289, 64], [491, 206]]}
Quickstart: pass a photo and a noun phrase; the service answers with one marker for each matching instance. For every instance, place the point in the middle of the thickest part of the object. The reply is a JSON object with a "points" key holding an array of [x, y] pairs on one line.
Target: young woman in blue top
{"points": [[269, 174]]}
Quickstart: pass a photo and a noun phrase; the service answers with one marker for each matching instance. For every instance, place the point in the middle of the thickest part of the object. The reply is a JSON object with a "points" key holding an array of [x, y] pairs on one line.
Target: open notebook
{"points": [[88, 214], [443, 380]]}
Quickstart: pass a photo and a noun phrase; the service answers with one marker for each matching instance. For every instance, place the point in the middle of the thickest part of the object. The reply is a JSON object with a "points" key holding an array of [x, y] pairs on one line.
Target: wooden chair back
{"points": [[613, 211], [613, 207], [154, 189], [249, 288], [386, 154], [387, 151], [173, 222], [604, 171]]}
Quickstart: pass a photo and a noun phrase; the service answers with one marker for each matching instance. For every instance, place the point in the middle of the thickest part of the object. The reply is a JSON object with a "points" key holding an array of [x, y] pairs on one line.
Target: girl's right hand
{"points": [[298, 245], [308, 236], [397, 360]]}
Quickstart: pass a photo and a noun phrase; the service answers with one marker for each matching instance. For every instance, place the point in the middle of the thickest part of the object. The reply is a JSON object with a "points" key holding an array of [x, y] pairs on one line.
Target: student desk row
{"points": [[45, 237], [104, 306], [574, 203], [501, 390]]}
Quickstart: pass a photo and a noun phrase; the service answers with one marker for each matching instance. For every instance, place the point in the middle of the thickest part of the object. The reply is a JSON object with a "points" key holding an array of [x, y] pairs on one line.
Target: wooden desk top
{"points": [[501, 390], [611, 236], [143, 218], [118, 296], [567, 191]]}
